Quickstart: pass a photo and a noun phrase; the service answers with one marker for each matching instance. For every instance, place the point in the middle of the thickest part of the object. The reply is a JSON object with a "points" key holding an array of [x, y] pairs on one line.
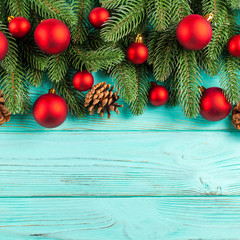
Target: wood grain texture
{"points": [[154, 119], [120, 218], [120, 164]]}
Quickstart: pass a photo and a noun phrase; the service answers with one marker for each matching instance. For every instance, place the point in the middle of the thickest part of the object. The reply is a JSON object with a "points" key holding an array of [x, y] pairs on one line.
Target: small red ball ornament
{"points": [[3, 46], [82, 81], [158, 95], [52, 36], [98, 16], [50, 110], [234, 46], [137, 52], [19, 27], [194, 32], [213, 105]]}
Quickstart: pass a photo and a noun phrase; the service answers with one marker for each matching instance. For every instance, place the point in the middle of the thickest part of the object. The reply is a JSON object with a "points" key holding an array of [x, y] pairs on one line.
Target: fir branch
{"points": [[124, 21], [162, 51], [35, 77], [234, 4], [3, 12], [82, 9], [181, 9], [159, 12], [74, 99], [32, 56], [138, 106], [58, 9], [110, 4], [188, 80], [125, 77], [15, 91], [18, 8], [58, 66], [229, 78], [99, 59]]}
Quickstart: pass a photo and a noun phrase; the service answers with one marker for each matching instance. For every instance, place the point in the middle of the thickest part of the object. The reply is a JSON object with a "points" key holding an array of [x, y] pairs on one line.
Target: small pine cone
{"points": [[5, 115], [101, 98], [236, 116]]}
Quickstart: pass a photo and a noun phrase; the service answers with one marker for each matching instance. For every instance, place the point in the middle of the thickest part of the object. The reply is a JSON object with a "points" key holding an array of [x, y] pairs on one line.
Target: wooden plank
{"points": [[120, 164], [212, 218], [155, 118]]}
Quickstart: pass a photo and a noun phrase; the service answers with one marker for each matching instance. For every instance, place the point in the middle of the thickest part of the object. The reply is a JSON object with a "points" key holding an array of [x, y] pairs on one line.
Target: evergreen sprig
{"points": [[124, 20]]}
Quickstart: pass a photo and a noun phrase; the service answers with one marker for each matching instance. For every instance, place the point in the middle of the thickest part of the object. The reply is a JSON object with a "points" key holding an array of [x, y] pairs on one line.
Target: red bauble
{"points": [[194, 32], [82, 81], [158, 95], [137, 53], [98, 16], [234, 46], [50, 110], [3, 46], [19, 27], [52, 36], [214, 105]]}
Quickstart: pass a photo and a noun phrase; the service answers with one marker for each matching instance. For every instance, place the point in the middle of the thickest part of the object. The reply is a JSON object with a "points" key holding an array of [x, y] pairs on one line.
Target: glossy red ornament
{"points": [[98, 16], [158, 95], [137, 53], [50, 110], [213, 105], [3, 46], [234, 46], [52, 36], [194, 32], [19, 27], [82, 81]]}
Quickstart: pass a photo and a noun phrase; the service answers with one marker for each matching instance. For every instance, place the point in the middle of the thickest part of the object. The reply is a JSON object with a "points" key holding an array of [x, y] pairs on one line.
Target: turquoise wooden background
{"points": [[153, 177]]}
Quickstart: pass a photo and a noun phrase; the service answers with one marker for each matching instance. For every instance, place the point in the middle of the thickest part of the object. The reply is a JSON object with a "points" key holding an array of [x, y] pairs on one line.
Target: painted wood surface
{"points": [[152, 177], [120, 218], [120, 164]]}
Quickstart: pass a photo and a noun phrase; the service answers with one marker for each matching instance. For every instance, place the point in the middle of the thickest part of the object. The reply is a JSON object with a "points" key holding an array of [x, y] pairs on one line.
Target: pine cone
{"points": [[236, 116], [5, 115], [102, 99]]}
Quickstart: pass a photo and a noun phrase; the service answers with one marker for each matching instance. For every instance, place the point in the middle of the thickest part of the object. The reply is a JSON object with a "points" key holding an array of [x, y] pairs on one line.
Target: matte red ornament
{"points": [[19, 27], [234, 46], [50, 110], [194, 32], [158, 95], [3, 46], [98, 16], [52, 36], [82, 81], [213, 105]]}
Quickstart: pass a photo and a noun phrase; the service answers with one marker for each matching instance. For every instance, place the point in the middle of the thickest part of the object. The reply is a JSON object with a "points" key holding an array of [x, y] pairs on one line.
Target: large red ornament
{"points": [[50, 110], [158, 95], [194, 32], [3, 46], [234, 46], [82, 81], [214, 105], [19, 27], [52, 36], [98, 16]]}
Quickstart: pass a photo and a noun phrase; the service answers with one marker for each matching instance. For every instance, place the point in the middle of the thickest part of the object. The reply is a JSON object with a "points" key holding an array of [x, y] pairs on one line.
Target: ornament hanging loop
{"points": [[52, 91], [10, 18], [139, 39], [209, 17]]}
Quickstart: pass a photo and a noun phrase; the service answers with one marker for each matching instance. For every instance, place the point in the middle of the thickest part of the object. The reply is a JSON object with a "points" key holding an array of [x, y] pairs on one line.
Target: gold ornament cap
{"points": [[209, 17], [52, 91], [202, 89], [139, 39], [10, 18]]}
